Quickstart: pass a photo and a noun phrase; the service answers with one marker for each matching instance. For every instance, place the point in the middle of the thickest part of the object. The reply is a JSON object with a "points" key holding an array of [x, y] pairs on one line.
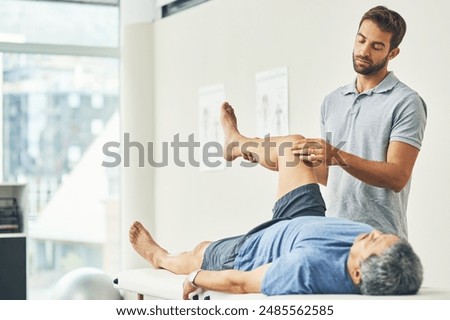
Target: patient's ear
{"points": [[354, 268], [355, 274]]}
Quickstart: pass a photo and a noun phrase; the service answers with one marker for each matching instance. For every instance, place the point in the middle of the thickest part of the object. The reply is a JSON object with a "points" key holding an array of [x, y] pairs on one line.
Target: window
{"points": [[59, 23], [171, 7], [57, 111]]}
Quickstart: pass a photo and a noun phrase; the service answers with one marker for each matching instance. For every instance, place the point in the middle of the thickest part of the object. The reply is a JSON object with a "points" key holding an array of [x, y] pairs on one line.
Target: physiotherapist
{"points": [[372, 131]]}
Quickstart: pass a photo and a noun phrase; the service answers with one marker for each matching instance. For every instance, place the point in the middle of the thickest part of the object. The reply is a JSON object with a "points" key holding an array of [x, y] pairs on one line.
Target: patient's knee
{"points": [[294, 137], [285, 148], [199, 250]]}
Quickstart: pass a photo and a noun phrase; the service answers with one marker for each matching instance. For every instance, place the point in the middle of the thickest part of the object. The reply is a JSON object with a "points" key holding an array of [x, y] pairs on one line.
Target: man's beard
{"points": [[371, 68]]}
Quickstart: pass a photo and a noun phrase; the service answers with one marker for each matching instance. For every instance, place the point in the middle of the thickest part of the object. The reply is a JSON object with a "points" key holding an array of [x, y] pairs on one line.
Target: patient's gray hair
{"points": [[397, 271]]}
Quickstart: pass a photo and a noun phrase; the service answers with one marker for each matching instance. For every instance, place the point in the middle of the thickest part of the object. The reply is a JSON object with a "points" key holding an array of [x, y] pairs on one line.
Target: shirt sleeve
{"points": [[289, 274], [308, 271], [409, 121]]}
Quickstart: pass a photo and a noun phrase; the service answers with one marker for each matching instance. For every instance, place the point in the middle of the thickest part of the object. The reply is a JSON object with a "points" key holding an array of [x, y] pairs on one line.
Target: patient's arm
{"points": [[229, 281]]}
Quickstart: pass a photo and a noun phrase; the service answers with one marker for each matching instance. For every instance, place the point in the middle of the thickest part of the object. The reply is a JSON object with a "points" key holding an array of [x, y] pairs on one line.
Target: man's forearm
{"points": [[393, 173], [232, 281], [229, 281], [376, 173]]}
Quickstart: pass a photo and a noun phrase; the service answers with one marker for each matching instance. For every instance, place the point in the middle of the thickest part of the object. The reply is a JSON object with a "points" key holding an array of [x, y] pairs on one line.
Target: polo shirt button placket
{"points": [[356, 105]]}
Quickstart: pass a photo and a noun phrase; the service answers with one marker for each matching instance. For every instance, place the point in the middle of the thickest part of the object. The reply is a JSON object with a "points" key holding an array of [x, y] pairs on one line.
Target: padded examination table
{"points": [[162, 284]]}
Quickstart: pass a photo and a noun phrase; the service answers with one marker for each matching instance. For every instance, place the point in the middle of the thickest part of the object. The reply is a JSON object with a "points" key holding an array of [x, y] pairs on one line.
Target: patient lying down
{"points": [[299, 251]]}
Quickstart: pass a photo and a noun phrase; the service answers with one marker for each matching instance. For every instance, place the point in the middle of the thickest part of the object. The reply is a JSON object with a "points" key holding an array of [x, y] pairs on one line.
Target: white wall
{"points": [[137, 196], [228, 41]]}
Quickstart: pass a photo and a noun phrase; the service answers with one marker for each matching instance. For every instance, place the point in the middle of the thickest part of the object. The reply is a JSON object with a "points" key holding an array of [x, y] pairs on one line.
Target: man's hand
{"points": [[188, 289], [249, 157], [317, 151]]}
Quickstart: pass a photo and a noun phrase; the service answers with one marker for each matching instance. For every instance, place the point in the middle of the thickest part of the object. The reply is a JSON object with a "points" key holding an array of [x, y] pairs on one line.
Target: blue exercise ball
{"points": [[85, 284]]}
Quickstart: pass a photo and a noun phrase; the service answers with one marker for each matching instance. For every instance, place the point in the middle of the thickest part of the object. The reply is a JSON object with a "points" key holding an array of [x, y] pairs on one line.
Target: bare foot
{"points": [[143, 243], [229, 125]]}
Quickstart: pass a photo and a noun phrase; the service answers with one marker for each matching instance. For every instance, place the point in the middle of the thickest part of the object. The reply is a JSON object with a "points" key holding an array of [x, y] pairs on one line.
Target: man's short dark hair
{"points": [[388, 21], [397, 271]]}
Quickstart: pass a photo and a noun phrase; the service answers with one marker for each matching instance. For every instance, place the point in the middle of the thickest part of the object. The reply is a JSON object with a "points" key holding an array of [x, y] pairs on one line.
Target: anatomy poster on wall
{"points": [[272, 102], [211, 136]]}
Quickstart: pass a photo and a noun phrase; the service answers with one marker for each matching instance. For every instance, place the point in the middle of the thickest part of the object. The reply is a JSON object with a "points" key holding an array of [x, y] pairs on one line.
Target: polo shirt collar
{"points": [[388, 83]]}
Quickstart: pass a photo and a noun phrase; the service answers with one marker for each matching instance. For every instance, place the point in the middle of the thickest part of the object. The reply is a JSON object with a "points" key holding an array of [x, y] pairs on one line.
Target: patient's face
{"points": [[368, 244]]}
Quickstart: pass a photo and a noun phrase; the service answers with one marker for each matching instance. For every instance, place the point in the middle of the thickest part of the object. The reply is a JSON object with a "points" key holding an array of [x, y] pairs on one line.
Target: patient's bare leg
{"points": [[158, 257], [237, 145], [233, 139], [271, 152]]}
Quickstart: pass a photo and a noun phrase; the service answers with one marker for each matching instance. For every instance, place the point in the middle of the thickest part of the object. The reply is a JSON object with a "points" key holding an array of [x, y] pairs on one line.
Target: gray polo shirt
{"points": [[364, 124]]}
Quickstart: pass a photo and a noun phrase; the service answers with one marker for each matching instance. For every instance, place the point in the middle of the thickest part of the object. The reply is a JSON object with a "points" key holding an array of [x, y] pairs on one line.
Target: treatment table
{"points": [[150, 283]]}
